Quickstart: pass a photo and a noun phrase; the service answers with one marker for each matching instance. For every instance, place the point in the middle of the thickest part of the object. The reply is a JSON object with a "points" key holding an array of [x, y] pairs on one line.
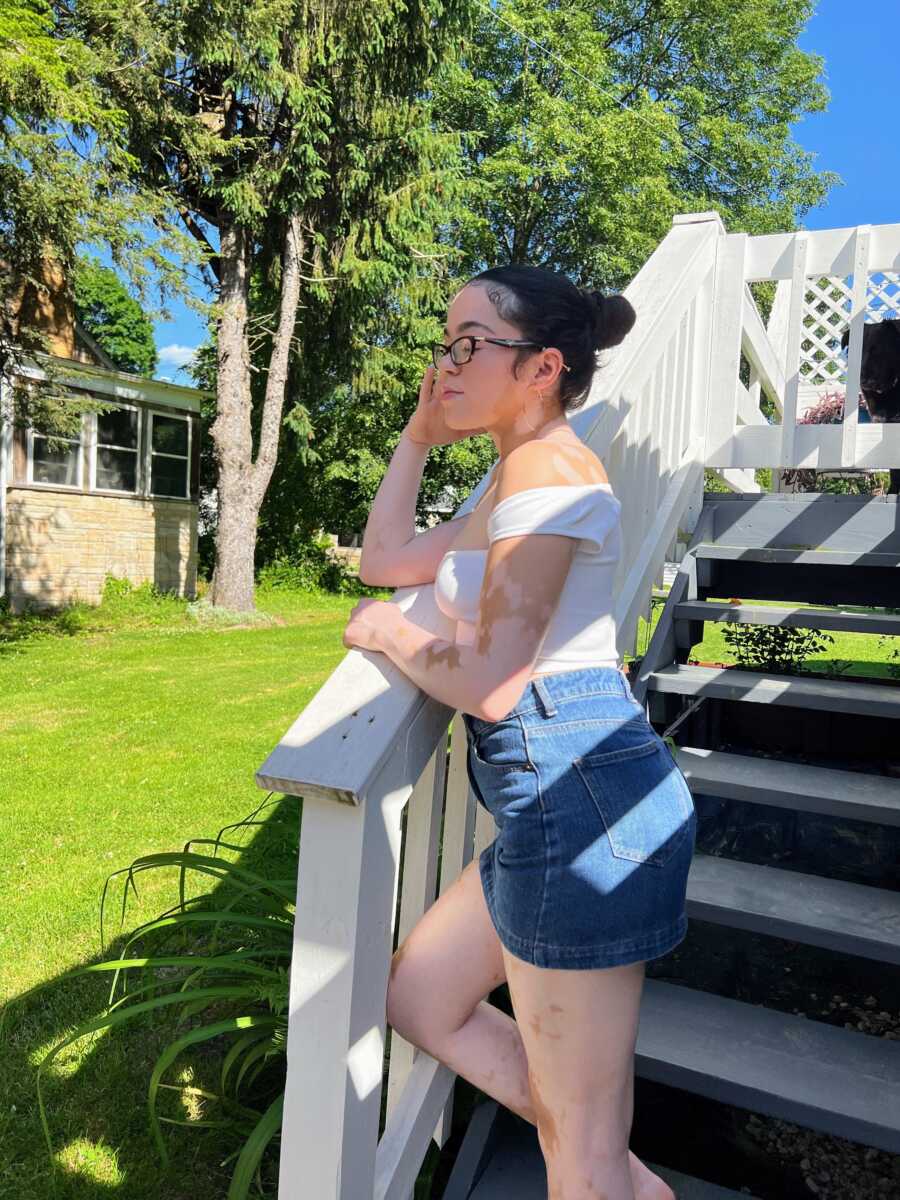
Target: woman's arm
{"points": [[392, 519]]}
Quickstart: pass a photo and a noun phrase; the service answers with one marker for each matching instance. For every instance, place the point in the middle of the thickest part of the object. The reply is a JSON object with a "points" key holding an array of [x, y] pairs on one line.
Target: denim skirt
{"points": [[595, 824]]}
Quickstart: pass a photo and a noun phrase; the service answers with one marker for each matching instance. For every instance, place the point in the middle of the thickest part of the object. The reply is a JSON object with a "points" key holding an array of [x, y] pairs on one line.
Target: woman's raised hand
{"points": [[427, 425]]}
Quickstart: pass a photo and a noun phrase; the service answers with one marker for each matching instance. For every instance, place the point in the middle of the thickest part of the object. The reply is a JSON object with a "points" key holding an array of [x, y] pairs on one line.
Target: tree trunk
{"points": [[242, 483]]}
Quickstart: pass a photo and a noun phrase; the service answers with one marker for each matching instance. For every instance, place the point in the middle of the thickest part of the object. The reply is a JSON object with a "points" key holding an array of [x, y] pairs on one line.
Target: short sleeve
{"points": [[588, 513]]}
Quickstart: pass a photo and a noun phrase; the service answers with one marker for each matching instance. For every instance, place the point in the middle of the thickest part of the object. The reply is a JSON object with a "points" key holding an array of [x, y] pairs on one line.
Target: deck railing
{"points": [[369, 753], [827, 281]]}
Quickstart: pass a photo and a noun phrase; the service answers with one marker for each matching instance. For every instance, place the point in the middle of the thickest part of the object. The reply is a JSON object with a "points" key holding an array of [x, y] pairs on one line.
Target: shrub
{"points": [[309, 567], [778, 648], [829, 410]]}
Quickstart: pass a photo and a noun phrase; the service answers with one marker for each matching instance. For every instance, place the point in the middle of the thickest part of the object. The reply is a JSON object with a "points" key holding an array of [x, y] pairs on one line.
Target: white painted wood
{"points": [[761, 352], [646, 565], [725, 351], [861, 245], [661, 293], [777, 329], [485, 829], [754, 391], [348, 861], [815, 447], [742, 482], [747, 411], [792, 354], [457, 848], [406, 1136], [364, 711], [830, 252], [419, 886]]}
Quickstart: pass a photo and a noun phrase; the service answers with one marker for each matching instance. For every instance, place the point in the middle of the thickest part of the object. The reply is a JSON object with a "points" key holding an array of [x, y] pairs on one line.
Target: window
{"points": [[116, 450], [60, 466], [170, 449]]}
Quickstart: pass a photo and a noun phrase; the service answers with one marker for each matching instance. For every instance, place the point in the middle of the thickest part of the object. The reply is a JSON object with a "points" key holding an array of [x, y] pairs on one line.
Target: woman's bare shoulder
{"points": [[543, 462]]}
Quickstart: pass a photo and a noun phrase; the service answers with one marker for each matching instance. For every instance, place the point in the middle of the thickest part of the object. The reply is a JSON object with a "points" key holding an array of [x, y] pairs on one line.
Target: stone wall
{"points": [[61, 545]]}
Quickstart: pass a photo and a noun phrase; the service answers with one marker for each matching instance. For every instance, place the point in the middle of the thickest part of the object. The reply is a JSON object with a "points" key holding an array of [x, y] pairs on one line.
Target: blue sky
{"points": [[857, 136]]}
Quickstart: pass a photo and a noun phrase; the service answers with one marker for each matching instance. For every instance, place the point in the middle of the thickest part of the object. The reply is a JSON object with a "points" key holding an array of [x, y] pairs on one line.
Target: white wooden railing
{"points": [[370, 745], [799, 353]]}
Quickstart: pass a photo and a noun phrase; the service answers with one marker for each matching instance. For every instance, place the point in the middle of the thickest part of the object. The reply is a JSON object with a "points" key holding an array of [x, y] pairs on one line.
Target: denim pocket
{"points": [[500, 745], [642, 798]]}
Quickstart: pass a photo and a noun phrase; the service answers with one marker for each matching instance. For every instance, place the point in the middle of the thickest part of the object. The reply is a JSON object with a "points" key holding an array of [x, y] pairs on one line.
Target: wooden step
{"points": [[852, 795], [500, 1159], [832, 1079], [847, 917], [795, 617], [802, 555], [795, 691]]}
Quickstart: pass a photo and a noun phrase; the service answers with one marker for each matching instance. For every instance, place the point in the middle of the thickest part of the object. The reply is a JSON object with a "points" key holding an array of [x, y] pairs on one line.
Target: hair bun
{"points": [[612, 316]]}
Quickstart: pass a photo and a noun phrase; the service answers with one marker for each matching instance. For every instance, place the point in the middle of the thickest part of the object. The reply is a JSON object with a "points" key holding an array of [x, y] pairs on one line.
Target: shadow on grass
{"points": [[95, 1093]]}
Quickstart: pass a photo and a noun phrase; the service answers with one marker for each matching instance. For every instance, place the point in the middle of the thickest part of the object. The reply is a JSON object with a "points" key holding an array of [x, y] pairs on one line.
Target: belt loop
{"points": [[544, 696]]}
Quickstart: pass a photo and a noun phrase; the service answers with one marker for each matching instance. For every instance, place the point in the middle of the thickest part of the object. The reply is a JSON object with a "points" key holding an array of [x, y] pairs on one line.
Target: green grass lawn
{"points": [[136, 733], [126, 730]]}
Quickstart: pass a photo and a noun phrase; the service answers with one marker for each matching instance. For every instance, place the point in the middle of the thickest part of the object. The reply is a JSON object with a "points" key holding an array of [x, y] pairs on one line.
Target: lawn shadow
{"points": [[95, 1092]]}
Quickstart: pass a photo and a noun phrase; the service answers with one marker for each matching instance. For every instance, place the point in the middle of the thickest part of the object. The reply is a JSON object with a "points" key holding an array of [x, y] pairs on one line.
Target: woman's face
{"points": [[484, 393]]}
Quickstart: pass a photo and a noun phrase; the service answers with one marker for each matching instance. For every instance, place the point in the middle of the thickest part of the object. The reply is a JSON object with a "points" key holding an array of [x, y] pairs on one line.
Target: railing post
{"points": [[420, 866], [457, 849], [794, 339], [725, 350], [861, 242], [348, 861]]}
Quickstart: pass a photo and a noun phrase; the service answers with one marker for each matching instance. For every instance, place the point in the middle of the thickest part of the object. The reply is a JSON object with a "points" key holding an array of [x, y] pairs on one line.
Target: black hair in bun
{"points": [[612, 318], [551, 310]]}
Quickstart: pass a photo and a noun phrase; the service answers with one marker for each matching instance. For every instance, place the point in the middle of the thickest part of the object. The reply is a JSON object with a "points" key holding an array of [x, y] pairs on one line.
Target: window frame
{"points": [[137, 451], [42, 483], [173, 414]]}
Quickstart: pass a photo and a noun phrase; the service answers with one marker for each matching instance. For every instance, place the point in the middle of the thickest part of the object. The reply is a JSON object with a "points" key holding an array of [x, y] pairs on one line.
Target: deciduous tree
{"points": [[298, 149]]}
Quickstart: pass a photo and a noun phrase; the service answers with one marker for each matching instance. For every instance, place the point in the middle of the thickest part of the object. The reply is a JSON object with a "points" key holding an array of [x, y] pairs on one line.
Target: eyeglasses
{"points": [[462, 348]]}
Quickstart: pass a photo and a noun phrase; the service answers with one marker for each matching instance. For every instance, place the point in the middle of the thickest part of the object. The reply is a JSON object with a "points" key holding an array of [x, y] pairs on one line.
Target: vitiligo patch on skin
{"points": [[510, 591], [545, 1120], [448, 656]]}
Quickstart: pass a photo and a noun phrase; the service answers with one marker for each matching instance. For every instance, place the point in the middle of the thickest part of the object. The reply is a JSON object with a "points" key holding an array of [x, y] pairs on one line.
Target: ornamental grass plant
{"points": [[212, 970]]}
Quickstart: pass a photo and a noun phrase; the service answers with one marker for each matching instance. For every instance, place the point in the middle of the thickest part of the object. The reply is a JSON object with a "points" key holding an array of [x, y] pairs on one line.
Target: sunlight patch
{"points": [[70, 1059], [91, 1160]]}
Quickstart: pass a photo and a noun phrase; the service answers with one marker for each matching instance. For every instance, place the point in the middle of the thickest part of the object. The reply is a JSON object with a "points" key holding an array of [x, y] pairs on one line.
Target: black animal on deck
{"points": [[880, 376]]}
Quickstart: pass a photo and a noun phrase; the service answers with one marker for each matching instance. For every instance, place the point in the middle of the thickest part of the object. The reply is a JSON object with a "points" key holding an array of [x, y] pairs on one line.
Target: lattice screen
{"points": [[828, 315]]}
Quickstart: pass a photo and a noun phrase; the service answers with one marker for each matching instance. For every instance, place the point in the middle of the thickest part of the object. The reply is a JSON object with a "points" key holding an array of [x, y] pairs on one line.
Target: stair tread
{"points": [[798, 554], [849, 917], [731, 683], [853, 794], [795, 616], [514, 1166], [827, 1078]]}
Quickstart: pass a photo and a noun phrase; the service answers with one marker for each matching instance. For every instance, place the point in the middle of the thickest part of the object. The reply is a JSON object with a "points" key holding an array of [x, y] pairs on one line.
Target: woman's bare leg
{"points": [[440, 977]]}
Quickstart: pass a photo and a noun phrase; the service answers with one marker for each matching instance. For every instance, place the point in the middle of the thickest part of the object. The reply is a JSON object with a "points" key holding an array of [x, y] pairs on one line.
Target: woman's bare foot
{"points": [[647, 1186]]}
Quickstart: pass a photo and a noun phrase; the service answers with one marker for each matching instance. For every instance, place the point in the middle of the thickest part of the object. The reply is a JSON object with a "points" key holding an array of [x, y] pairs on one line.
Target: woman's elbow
{"points": [[501, 700]]}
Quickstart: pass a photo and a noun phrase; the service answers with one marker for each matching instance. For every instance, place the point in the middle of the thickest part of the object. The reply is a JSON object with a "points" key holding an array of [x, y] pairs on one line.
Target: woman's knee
{"points": [[407, 1000]]}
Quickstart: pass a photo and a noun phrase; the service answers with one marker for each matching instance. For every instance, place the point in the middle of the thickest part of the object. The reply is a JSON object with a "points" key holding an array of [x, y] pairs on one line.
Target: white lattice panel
{"points": [[827, 315]]}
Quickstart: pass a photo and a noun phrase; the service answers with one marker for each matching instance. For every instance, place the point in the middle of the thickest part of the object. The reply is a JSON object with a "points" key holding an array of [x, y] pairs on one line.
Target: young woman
{"points": [[585, 880]]}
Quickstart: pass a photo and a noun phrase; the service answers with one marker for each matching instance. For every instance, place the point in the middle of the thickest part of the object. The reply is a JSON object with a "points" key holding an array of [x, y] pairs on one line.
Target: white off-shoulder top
{"points": [[582, 630]]}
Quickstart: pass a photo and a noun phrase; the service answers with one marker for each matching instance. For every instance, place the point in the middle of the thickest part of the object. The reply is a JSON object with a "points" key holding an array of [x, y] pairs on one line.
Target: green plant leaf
{"points": [[253, 1149]]}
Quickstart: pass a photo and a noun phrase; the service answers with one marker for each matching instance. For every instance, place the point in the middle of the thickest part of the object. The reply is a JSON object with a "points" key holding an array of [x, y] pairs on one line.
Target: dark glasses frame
{"points": [[438, 349]]}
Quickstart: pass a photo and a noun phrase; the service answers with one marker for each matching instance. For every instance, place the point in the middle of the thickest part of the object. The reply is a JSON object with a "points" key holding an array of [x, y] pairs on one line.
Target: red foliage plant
{"points": [[828, 410]]}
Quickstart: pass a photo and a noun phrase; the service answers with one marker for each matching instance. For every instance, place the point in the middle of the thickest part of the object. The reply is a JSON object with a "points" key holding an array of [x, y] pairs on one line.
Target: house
{"points": [[119, 499]]}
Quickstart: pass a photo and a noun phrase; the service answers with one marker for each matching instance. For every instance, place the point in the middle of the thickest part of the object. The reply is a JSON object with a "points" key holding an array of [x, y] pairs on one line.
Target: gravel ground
{"points": [[832, 1168]]}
